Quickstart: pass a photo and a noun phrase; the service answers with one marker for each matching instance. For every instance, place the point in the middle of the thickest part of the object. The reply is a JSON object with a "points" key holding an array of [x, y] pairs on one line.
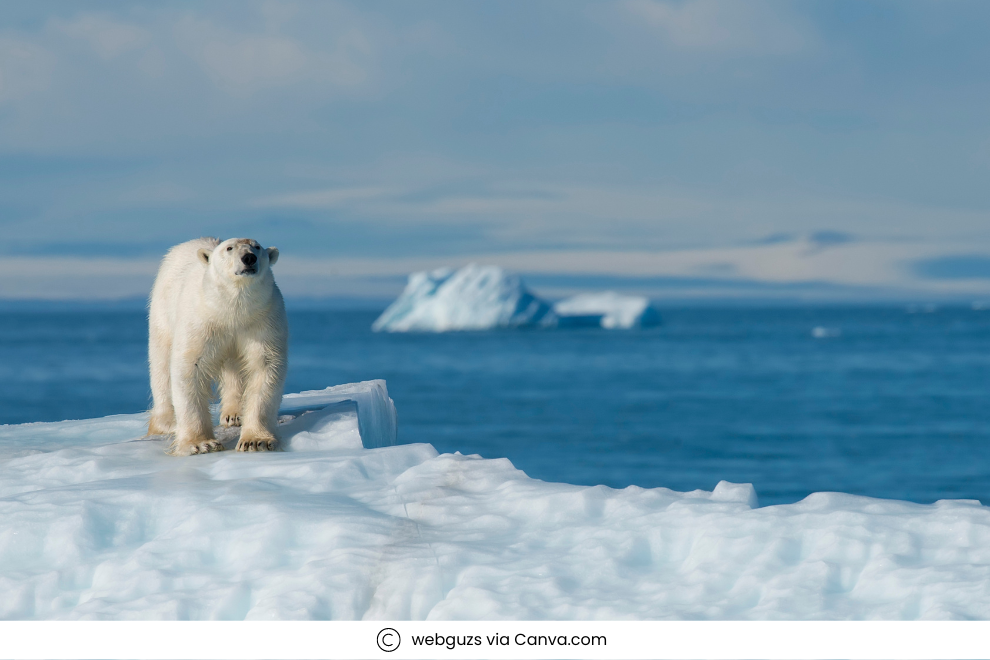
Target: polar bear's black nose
{"points": [[249, 259]]}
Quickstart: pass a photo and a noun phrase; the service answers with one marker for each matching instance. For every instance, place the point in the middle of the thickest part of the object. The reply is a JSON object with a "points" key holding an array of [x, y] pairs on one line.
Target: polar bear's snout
{"points": [[217, 319], [250, 265], [242, 257]]}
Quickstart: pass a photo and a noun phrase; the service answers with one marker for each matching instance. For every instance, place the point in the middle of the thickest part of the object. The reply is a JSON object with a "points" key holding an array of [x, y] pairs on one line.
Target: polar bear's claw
{"points": [[206, 447], [257, 444], [190, 448], [230, 420]]}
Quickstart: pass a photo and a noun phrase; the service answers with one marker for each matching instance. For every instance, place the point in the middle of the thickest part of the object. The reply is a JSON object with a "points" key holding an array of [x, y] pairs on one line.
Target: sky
{"points": [[682, 149]]}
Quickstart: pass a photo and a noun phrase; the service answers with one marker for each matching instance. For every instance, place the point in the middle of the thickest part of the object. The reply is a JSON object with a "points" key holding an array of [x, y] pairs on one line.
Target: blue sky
{"points": [[703, 142]]}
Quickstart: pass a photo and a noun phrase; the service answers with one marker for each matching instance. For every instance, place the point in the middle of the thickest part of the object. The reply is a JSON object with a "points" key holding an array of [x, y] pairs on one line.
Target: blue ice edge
{"points": [[378, 421]]}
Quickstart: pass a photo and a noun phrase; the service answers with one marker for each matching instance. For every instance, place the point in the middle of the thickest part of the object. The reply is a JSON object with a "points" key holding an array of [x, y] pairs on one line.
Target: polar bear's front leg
{"points": [[191, 384], [231, 393], [265, 369]]}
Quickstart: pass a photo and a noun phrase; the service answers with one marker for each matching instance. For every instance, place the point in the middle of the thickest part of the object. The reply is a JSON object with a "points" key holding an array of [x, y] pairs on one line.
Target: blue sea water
{"points": [[883, 401]]}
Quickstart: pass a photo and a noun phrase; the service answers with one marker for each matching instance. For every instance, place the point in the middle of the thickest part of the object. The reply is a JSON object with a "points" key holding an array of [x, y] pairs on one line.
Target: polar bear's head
{"points": [[241, 259]]}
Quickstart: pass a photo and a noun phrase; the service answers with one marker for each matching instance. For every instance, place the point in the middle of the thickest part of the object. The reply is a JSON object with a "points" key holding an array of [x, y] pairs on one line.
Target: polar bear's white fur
{"points": [[216, 316]]}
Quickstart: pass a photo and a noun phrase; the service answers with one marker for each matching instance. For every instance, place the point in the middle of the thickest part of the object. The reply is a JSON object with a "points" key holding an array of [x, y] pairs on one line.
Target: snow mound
{"points": [[472, 298], [331, 529], [608, 310]]}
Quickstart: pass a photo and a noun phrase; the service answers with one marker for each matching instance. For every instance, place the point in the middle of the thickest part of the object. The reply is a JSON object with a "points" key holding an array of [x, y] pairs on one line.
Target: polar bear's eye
{"points": [[229, 248]]}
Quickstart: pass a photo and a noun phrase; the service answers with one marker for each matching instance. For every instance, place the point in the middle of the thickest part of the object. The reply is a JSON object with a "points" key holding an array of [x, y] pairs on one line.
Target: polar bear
{"points": [[216, 316]]}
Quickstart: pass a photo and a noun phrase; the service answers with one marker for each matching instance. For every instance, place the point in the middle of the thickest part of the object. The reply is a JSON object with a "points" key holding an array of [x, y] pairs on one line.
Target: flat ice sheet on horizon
{"points": [[100, 525], [613, 311], [471, 298]]}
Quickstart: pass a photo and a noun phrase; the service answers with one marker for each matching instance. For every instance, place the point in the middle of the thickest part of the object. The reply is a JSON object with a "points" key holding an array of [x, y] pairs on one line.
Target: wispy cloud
{"points": [[247, 63], [753, 28], [617, 216], [323, 199], [106, 36], [25, 68]]}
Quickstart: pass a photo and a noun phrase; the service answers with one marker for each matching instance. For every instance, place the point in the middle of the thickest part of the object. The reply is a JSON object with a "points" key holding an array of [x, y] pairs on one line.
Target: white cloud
{"points": [[77, 278], [328, 198], [623, 216], [25, 67], [721, 27], [156, 193], [119, 82], [107, 37], [245, 63]]}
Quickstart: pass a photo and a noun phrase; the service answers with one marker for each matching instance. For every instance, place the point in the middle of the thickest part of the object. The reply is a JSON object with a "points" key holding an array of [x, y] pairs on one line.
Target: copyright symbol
{"points": [[388, 639]]}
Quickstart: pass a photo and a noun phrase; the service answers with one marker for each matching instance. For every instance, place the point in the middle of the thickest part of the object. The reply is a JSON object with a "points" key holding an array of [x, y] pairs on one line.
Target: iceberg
{"points": [[608, 310], [96, 522], [471, 298]]}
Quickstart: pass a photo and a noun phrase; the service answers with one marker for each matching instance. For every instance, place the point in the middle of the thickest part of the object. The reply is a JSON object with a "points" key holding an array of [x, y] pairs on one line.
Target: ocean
{"points": [[886, 401]]}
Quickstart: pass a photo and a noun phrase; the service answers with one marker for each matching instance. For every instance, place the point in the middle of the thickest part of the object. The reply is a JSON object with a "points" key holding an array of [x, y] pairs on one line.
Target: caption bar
{"points": [[250, 640]]}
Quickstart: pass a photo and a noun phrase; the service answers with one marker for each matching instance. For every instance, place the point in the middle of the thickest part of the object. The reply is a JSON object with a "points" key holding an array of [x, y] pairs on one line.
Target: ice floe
{"points": [[98, 523], [607, 309]]}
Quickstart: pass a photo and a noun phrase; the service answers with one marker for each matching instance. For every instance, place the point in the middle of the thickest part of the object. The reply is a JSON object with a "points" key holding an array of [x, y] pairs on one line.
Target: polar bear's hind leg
{"points": [[162, 421]]}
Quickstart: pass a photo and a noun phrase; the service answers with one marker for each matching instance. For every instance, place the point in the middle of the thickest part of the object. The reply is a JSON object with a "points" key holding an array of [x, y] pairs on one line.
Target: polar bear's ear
{"points": [[204, 256], [272, 255]]}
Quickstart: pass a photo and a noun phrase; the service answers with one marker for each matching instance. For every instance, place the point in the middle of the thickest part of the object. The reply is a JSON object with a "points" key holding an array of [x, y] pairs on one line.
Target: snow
{"points": [[99, 523], [471, 298], [608, 309]]}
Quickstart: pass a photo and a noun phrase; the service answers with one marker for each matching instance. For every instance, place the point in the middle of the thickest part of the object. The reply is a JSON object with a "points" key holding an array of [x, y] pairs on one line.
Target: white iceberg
{"points": [[608, 310], [99, 523], [471, 298]]}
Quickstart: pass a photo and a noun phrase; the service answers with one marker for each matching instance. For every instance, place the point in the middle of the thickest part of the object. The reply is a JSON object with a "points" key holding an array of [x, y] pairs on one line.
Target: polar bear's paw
{"points": [[207, 447], [230, 419], [257, 443], [201, 446]]}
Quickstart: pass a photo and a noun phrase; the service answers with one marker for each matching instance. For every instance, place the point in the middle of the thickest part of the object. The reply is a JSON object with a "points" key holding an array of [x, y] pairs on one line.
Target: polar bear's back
{"points": [[178, 267]]}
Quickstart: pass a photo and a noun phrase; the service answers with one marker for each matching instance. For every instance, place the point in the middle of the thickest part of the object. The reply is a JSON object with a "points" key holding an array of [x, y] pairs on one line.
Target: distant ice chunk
{"points": [[471, 298], [608, 309], [821, 332]]}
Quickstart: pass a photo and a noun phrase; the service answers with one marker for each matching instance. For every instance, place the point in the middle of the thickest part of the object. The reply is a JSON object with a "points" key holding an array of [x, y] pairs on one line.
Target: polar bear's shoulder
{"points": [[181, 264], [188, 251], [184, 257]]}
